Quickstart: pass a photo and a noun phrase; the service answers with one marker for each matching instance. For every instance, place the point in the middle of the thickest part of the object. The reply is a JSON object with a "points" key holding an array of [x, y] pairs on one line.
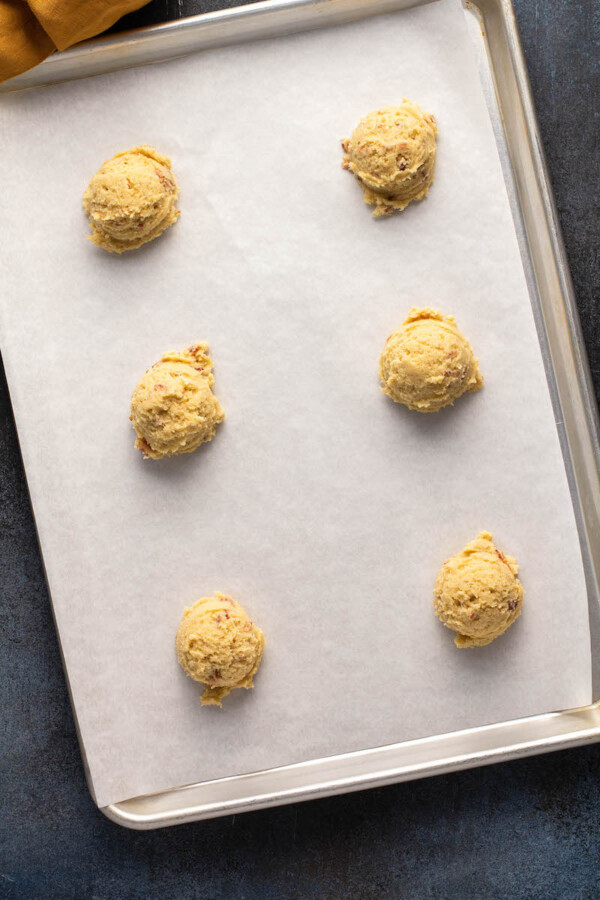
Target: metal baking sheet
{"points": [[559, 337]]}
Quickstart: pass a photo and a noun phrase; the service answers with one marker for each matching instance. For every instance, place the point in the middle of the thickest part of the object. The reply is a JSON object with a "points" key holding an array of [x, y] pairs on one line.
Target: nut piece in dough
{"points": [[392, 153], [427, 363], [219, 645], [477, 593], [173, 408], [131, 199]]}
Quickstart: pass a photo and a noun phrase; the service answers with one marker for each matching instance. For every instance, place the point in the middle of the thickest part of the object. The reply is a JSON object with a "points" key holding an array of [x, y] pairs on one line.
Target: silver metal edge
{"points": [[361, 770], [557, 316], [157, 43]]}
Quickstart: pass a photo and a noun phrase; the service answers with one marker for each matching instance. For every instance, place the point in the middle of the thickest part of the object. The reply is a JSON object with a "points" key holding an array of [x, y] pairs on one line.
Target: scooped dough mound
{"points": [[218, 645], [392, 153], [173, 408], [427, 363], [131, 199], [477, 593]]}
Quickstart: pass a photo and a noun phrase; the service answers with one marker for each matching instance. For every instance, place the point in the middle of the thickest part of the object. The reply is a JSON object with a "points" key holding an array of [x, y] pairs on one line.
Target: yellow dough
{"points": [[427, 363], [218, 645], [173, 408], [477, 593], [392, 153], [131, 199]]}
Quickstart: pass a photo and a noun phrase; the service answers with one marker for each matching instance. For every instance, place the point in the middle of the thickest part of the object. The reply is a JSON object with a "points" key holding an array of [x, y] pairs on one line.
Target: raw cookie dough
{"points": [[392, 153], [131, 199], [427, 363], [477, 593], [220, 646], [173, 408]]}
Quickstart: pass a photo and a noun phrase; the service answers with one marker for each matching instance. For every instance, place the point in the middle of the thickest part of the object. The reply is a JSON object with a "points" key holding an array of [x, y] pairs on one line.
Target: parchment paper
{"points": [[322, 506]]}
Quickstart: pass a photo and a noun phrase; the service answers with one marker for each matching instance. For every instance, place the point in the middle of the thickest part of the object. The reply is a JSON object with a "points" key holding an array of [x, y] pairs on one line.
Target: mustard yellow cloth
{"points": [[31, 31]]}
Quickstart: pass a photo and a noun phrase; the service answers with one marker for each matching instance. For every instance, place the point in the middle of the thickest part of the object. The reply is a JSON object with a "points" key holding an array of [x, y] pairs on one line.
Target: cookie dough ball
{"points": [[131, 199], [392, 153], [427, 363], [173, 408], [477, 593], [218, 645]]}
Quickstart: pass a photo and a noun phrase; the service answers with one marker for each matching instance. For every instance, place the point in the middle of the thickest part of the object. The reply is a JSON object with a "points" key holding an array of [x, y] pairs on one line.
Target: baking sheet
{"points": [[323, 507]]}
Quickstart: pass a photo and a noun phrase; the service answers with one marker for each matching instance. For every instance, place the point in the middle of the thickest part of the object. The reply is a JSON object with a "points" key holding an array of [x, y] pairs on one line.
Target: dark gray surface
{"points": [[527, 829]]}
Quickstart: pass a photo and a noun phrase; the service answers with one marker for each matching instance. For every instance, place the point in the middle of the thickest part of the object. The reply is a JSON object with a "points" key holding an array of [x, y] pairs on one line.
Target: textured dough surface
{"points": [[173, 408], [392, 153], [427, 363], [218, 645], [131, 199], [477, 593]]}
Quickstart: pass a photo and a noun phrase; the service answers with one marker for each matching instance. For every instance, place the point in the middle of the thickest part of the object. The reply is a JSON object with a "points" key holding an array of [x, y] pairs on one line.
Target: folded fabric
{"points": [[31, 31]]}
